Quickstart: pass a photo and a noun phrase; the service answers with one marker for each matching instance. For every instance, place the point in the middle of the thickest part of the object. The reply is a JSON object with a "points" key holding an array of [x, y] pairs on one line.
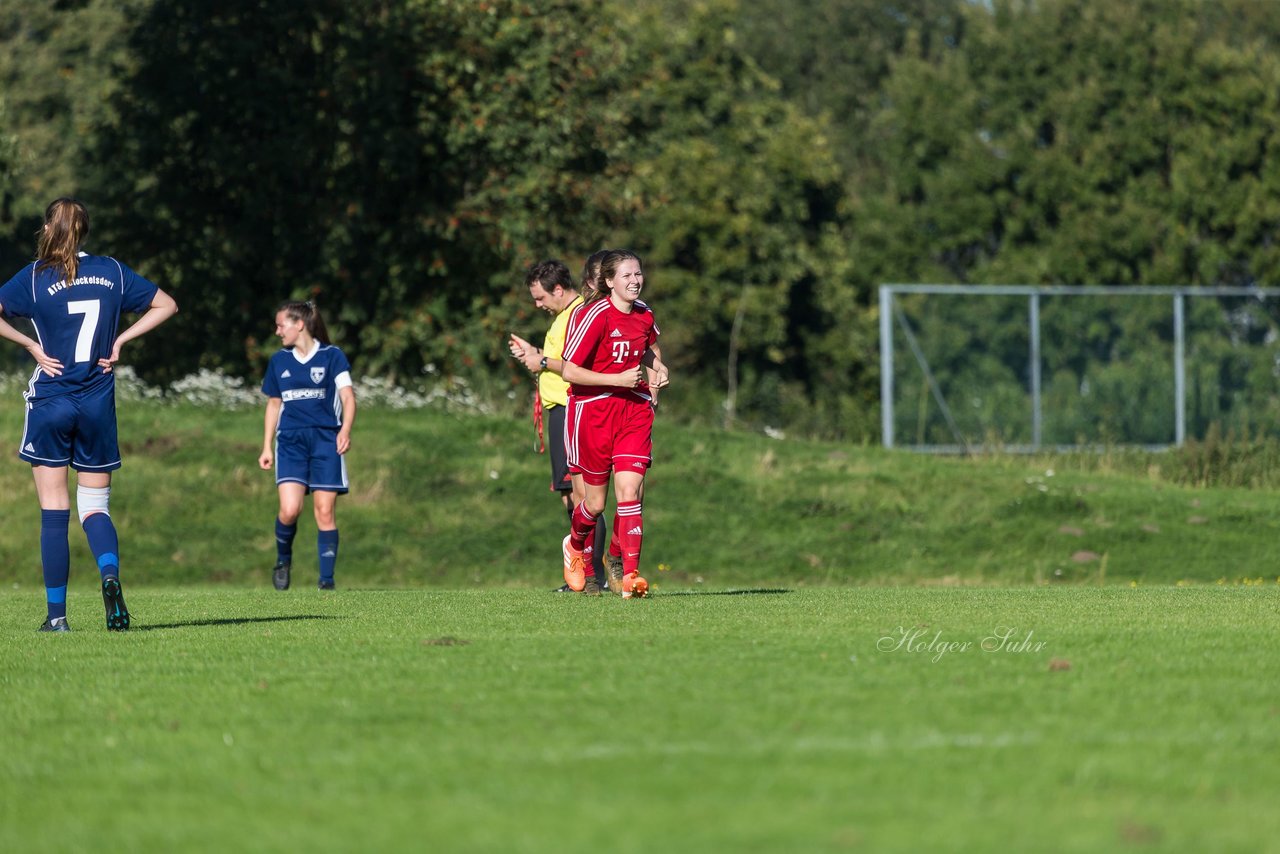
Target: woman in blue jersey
{"points": [[311, 406], [75, 301]]}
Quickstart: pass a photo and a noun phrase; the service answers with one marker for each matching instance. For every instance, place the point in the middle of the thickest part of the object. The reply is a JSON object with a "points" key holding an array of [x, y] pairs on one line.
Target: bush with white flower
{"points": [[217, 390]]}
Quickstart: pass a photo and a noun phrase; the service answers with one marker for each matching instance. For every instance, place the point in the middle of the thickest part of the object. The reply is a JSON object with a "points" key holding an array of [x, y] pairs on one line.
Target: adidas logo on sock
{"points": [[635, 532]]}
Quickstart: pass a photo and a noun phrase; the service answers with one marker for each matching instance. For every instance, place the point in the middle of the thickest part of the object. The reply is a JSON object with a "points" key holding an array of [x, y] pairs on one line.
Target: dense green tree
{"points": [[397, 161], [8, 151], [737, 198], [403, 162], [1083, 143], [831, 56], [216, 157], [56, 79]]}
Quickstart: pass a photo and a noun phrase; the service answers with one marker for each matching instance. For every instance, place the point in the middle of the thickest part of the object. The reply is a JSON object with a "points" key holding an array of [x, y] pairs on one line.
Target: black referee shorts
{"points": [[553, 436]]}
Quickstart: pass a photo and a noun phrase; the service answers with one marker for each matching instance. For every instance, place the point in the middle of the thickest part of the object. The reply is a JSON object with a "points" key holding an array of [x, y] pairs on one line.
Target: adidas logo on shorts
{"points": [[30, 448]]}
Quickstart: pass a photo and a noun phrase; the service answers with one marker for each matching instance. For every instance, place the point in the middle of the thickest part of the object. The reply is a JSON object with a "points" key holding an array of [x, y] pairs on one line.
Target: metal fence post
{"points": [[1034, 322], [1179, 371], [886, 366]]}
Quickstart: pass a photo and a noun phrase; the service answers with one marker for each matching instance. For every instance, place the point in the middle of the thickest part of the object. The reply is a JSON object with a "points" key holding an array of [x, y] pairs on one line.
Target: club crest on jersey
{"points": [[317, 375]]}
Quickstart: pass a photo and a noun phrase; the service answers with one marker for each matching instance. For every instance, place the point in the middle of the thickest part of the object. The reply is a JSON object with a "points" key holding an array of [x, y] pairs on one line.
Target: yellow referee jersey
{"points": [[552, 388]]}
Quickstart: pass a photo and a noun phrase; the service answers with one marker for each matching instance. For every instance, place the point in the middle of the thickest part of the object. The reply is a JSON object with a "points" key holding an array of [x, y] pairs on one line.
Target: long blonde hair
{"points": [[66, 225]]}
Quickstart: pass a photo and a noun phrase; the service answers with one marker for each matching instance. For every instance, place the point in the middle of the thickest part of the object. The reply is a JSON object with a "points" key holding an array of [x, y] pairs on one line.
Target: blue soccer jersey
{"points": [[307, 385], [76, 322]]}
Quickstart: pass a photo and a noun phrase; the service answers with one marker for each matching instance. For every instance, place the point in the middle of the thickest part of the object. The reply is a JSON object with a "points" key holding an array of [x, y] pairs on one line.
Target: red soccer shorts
{"points": [[606, 433], [570, 431]]}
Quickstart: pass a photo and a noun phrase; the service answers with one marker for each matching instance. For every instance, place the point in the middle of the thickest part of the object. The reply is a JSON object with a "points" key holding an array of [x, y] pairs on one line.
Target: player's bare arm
{"points": [[267, 458], [161, 309], [347, 395], [659, 376], [580, 376], [47, 363]]}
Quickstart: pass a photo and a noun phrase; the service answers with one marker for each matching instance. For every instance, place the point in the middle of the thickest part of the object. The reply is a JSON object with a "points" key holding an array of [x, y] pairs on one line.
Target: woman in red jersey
{"points": [[610, 342]]}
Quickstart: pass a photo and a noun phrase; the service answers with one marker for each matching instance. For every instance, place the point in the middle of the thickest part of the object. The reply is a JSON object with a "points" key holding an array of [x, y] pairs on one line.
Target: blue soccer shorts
{"points": [[311, 457], [77, 429]]}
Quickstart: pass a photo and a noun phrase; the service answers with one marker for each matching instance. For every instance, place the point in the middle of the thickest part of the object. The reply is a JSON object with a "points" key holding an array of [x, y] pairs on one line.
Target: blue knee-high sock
{"points": [[284, 541], [55, 557], [327, 546], [103, 542]]}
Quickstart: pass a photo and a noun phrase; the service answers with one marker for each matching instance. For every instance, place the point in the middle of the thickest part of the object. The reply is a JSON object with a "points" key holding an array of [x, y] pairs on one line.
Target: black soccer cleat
{"points": [[113, 599], [57, 624], [563, 588], [326, 584], [280, 576]]}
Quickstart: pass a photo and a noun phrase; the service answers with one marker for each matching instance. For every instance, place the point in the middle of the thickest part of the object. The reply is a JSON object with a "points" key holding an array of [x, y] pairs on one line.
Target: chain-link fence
{"points": [[1031, 367]]}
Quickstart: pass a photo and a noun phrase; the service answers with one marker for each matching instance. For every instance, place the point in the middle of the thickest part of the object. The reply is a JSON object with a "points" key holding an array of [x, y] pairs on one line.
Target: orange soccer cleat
{"points": [[634, 586], [575, 574]]}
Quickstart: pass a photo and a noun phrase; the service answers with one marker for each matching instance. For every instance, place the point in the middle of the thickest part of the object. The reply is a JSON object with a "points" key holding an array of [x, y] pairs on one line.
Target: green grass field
{"points": [[509, 720], [842, 699], [456, 502]]}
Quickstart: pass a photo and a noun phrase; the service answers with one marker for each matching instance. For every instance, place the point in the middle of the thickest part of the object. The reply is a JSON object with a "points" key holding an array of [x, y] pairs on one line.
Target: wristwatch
{"points": [[543, 363]]}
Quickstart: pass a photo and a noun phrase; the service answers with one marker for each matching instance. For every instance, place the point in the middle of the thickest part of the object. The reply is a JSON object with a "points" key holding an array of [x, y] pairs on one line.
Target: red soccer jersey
{"points": [[603, 339]]}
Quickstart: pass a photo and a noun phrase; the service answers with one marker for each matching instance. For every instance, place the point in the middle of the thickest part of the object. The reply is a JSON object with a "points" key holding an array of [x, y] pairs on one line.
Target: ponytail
{"points": [[66, 225], [307, 312], [591, 277]]}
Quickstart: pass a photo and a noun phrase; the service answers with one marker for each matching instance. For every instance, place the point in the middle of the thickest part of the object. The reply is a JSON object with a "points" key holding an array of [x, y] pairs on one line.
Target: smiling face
{"points": [[288, 328], [627, 283]]}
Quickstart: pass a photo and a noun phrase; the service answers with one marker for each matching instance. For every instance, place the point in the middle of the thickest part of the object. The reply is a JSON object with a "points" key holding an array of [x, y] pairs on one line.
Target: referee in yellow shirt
{"points": [[551, 287]]}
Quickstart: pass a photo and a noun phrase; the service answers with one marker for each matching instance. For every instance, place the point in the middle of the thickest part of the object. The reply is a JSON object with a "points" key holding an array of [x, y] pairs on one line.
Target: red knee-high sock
{"points": [[584, 525], [631, 534], [589, 552], [590, 545]]}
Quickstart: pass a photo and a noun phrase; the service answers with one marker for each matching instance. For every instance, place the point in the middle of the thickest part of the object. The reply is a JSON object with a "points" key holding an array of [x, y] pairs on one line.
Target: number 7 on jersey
{"points": [[90, 308]]}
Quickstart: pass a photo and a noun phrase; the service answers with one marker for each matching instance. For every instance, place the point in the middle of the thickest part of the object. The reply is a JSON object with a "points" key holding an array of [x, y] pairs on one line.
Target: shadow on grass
{"points": [[229, 621], [750, 591]]}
